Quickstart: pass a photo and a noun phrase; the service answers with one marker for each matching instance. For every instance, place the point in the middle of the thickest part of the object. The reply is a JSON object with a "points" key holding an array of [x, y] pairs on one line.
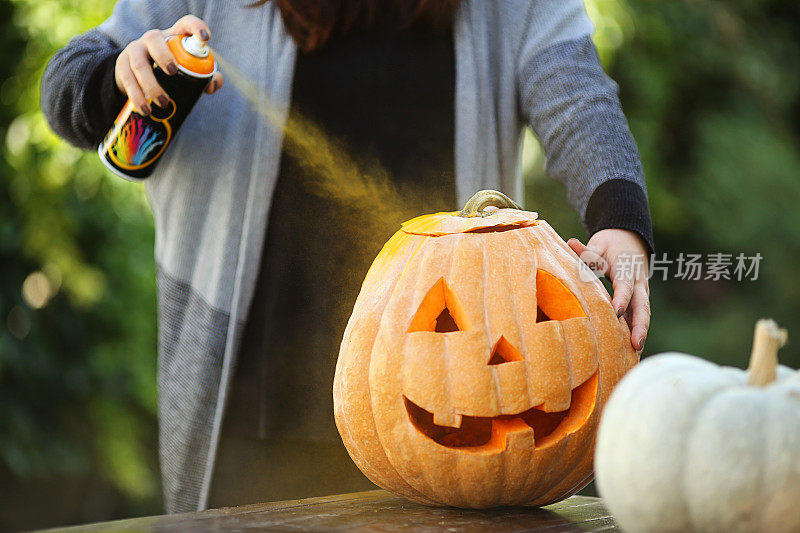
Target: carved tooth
{"points": [[554, 406], [449, 419]]}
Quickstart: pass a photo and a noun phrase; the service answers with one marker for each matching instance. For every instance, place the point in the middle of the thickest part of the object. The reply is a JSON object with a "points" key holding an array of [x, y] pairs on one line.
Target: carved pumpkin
{"points": [[685, 445], [475, 363]]}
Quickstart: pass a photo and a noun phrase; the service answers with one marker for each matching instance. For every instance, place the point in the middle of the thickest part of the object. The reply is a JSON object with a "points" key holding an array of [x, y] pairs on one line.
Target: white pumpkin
{"points": [[685, 445]]}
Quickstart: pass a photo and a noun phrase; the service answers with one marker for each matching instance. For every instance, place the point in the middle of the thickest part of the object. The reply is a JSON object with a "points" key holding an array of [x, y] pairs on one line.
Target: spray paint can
{"points": [[135, 143]]}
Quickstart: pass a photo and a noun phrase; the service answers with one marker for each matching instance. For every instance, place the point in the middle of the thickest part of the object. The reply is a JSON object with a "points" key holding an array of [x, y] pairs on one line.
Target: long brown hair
{"points": [[312, 22]]}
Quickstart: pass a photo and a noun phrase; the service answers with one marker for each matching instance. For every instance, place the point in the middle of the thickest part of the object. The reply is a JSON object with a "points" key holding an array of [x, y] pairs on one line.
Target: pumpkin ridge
{"points": [[543, 495], [773, 425], [697, 409], [419, 245], [495, 379], [527, 245], [516, 314], [530, 250], [484, 269], [340, 411], [568, 354], [427, 248], [446, 342]]}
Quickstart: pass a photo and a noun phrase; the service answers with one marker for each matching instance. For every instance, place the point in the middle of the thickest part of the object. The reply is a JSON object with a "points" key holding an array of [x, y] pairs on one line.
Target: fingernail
{"points": [[163, 101], [204, 35], [641, 343], [620, 310], [171, 68], [146, 109]]}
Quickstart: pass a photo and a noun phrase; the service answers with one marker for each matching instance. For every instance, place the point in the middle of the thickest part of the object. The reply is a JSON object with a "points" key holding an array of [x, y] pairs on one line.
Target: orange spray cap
{"points": [[193, 55]]}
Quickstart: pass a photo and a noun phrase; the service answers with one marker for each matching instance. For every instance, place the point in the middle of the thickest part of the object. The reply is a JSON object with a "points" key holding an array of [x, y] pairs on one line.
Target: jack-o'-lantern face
{"points": [[479, 421], [475, 364]]}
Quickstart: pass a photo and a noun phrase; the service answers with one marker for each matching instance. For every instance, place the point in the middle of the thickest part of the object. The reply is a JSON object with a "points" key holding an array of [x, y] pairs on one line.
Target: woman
{"points": [[256, 267]]}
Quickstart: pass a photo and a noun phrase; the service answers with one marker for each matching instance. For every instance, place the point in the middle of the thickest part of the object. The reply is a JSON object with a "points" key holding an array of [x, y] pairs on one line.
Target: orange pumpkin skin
{"points": [[443, 408]]}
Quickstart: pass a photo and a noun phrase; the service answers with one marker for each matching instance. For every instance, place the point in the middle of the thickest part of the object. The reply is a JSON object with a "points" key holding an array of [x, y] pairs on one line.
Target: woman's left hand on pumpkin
{"points": [[621, 255]]}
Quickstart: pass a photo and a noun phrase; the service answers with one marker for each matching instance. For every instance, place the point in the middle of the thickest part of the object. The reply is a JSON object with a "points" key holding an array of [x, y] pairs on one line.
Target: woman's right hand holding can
{"points": [[133, 71]]}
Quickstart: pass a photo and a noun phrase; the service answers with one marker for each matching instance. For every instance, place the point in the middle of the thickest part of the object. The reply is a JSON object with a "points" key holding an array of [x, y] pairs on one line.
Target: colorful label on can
{"points": [[136, 141]]}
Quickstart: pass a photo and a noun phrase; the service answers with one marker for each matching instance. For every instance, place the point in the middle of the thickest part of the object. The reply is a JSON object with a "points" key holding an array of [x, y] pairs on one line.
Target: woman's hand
{"points": [[622, 256], [134, 69]]}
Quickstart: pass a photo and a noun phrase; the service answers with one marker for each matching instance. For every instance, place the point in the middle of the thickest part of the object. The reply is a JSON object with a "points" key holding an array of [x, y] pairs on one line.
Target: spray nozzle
{"points": [[195, 46]]}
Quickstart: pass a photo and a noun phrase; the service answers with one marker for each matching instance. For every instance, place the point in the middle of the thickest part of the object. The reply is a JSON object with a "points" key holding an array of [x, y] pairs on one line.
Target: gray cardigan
{"points": [[517, 62]]}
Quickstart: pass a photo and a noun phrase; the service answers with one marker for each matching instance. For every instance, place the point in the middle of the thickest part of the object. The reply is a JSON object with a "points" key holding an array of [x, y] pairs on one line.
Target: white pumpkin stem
{"points": [[768, 338]]}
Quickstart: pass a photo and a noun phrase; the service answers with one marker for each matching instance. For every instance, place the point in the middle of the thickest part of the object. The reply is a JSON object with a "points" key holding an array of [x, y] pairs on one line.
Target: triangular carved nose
{"points": [[504, 352]]}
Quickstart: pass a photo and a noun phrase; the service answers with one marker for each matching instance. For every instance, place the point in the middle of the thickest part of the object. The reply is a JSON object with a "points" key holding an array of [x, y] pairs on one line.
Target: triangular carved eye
{"points": [[554, 301], [504, 352], [440, 311]]}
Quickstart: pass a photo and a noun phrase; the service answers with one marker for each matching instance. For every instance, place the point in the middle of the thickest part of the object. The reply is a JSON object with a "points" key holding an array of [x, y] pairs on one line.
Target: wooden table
{"points": [[375, 510]]}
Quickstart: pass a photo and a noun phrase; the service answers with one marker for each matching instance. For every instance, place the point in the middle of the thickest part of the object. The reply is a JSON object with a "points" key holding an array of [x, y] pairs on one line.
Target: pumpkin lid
{"points": [[439, 224], [487, 211]]}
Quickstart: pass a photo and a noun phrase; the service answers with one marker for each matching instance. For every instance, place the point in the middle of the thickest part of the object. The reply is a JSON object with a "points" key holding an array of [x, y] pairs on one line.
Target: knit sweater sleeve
{"points": [[574, 108], [79, 96]]}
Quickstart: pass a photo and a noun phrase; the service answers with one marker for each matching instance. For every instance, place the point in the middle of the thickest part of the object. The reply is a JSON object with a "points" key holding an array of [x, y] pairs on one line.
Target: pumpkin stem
{"points": [[482, 199], [768, 338]]}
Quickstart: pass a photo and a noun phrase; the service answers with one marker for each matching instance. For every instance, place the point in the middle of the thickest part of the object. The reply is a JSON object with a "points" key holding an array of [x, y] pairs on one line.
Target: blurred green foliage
{"points": [[77, 303], [711, 92]]}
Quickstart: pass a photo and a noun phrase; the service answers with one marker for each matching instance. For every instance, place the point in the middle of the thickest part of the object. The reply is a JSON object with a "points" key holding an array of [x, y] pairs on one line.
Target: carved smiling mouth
{"points": [[489, 434]]}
